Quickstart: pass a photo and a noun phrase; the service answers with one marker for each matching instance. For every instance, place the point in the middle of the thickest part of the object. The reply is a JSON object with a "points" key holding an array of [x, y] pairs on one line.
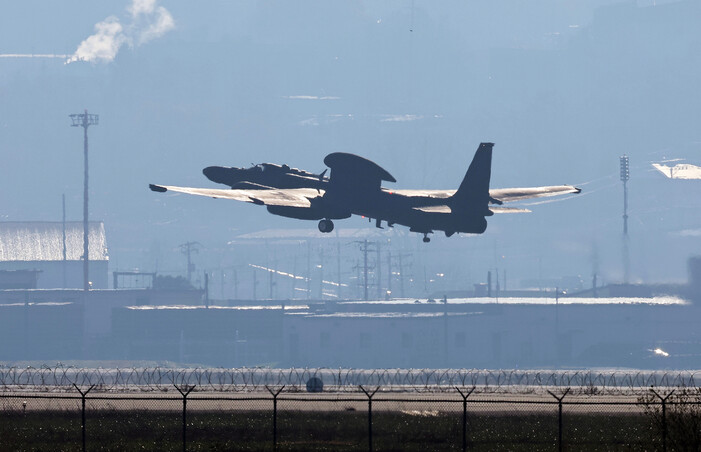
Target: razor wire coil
{"points": [[150, 379]]}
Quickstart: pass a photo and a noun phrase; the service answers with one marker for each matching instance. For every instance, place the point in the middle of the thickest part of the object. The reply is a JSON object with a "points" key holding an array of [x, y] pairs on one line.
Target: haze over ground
{"points": [[562, 88]]}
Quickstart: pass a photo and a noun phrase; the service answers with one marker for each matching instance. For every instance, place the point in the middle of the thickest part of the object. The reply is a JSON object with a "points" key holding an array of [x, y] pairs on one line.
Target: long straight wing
{"points": [[500, 194], [291, 197], [519, 194]]}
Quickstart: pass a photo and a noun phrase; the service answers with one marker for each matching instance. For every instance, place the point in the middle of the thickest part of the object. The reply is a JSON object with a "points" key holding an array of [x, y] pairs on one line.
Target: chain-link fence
{"points": [[366, 418]]}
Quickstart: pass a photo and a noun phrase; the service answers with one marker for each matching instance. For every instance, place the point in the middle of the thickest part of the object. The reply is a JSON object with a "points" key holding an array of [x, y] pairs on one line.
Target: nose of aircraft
{"points": [[219, 174]]}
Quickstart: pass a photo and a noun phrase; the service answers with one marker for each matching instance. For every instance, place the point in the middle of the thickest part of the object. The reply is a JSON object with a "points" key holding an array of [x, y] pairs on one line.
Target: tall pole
{"points": [[321, 273], [401, 276], [364, 248], [378, 269], [338, 265], [236, 285], [86, 231], [625, 176], [294, 280], [188, 248], [255, 284], [85, 120], [309, 270], [365, 269], [271, 282], [63, 224], [389, 272], [206, 289]]}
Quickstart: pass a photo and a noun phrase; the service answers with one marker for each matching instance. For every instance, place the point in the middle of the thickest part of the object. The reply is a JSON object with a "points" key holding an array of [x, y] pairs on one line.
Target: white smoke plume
{"points": [[147, 22]]}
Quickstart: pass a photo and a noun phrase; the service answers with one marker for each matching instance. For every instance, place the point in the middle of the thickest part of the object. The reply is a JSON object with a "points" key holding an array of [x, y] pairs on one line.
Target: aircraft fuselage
{"points": [[264, 176]]}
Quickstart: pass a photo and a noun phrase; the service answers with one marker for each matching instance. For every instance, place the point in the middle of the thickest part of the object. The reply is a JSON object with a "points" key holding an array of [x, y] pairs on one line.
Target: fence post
{"points": [[274, 394], [559, 417], [663, 400], [82, 416], [369, 395], [464, 416], [187, 390]]}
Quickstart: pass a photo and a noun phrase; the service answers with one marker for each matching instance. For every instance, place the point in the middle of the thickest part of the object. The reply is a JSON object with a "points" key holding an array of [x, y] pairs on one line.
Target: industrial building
{"points": [[54, 251], [619, 326], [660, 332]]}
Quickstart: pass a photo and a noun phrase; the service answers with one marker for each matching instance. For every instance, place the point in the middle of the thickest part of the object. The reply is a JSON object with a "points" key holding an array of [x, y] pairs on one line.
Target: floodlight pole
{"points": [[625, 176], [85, 120]]}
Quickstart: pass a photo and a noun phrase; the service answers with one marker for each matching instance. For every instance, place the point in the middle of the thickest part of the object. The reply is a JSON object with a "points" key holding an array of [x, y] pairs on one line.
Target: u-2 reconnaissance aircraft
{"points": [[354, 188]]}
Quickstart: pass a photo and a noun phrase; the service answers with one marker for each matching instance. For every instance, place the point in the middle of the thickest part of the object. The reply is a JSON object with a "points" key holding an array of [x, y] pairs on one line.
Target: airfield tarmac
{"points": [[412, 403]]}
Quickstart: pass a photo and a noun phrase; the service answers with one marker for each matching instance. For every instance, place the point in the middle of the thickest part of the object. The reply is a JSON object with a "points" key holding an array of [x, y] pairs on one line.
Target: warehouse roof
{"points": [[43, 241]]}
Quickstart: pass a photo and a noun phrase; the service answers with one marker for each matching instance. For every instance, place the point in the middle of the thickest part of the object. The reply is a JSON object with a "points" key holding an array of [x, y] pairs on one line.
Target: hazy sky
{"points": [[562, 87]]}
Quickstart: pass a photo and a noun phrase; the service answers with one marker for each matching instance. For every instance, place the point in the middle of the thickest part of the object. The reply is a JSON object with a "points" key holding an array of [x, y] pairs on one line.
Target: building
{"points": [[55, 251]]}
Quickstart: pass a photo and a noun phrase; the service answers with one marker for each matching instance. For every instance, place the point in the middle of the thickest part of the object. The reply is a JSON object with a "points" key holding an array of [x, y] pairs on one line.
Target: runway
{"points": [[429, 404]]}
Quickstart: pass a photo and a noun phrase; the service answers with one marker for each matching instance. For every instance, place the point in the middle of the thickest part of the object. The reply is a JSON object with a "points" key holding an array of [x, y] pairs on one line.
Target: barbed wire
{"points": [[62, 378]]}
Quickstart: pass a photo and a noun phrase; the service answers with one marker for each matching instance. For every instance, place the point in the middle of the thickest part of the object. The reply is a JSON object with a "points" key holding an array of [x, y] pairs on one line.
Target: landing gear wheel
{"points": [[325, 226], [426, 238]]}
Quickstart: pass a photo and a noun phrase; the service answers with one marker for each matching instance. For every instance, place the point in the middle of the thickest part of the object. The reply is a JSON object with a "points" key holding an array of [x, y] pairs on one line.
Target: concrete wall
{"points": [[50, 332], [52, 273], [216, 336]]}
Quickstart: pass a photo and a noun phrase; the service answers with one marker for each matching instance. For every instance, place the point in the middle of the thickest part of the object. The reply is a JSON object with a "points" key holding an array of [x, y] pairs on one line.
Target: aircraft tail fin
{"points": [[473, 193]]}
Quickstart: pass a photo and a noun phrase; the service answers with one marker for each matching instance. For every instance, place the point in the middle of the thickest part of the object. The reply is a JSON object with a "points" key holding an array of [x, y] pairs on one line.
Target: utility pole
{"points": [[365, 248], [63, 223], [489, 283], [338, 266], [294, 280], [206, 290], [320, 266], [188, 248], [236, 285], [221, 283], [625, 176], [365, 269], [401, 277], [309, 270], [255, 284], [389, 272], [271, 282], [85, 120], [378, 270]]}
